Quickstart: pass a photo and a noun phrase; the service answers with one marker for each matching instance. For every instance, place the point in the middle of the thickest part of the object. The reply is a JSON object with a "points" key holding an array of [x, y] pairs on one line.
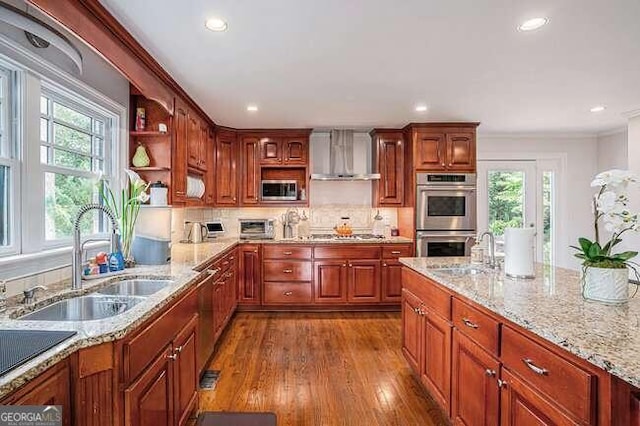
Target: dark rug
{"points": [[209, 379], [236, 419]]}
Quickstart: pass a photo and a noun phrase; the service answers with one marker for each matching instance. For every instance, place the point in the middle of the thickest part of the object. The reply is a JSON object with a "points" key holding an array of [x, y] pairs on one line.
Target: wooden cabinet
{"points": [[391, 275], [295, 151], [197, 142], [363, 281], [250, 171], [186, 371], [388, 151], [287, 273], [411, 329], [226, 177], [179, 158], [270, 150], [249, 274], [439, 147], [330, 281], [49, 388], [476, 396], [225, 291]]}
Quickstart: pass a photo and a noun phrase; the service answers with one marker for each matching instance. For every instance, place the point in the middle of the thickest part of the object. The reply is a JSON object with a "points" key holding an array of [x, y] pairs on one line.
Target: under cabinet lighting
{"points": [[216, 24], [533, 24]]}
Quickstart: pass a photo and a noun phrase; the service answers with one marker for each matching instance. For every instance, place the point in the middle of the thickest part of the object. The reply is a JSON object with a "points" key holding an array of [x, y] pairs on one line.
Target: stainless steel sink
{"points": [[138, 287], [84, 308], [463, 270]]}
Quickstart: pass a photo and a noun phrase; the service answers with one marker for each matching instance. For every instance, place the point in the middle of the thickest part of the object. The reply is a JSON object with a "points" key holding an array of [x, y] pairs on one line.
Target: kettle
{"points": [[197, 233]]}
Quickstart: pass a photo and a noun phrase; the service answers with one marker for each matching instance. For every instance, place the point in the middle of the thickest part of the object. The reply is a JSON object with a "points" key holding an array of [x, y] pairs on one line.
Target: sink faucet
{"points": [[492, 248], [76, 261], [29, 295], [291, 217]]}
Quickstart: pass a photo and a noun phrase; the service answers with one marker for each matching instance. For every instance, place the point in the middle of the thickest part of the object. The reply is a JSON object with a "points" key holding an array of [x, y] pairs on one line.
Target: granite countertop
{"points": [[184, 258], [552, 307]]}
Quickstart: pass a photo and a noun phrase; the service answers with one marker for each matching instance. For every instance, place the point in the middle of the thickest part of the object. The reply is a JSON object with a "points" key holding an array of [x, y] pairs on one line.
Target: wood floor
{"points": [[319, 369]]}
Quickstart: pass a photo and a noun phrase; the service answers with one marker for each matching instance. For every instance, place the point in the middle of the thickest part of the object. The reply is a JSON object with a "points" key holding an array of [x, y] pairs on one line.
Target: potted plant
{"points": [[126, 208], [605, 274]]}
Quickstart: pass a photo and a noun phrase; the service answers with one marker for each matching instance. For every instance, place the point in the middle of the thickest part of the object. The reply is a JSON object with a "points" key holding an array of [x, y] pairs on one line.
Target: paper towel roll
{"points": [[519, 253]]}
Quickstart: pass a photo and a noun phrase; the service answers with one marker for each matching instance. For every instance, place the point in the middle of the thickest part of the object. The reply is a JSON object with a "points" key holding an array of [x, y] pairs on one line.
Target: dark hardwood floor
{"points": [[319, 369]]}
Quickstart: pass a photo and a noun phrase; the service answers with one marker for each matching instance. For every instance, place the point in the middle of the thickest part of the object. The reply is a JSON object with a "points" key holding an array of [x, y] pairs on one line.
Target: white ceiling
{"points": [[364, 63]]}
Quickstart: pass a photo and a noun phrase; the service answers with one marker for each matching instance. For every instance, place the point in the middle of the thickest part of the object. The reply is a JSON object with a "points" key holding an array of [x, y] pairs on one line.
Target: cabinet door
{"points": [[250, 174], [475, 396], [364, 281], [436, 359], [50, 388], [149, 400], [461, 151], [270, 150], [330, 281], [226, 178], [193, 141], [522, 405], [249, 278], [295, 151], [391, 277], [390, 188], [205, 321], [203, 146], [185, 371], [210, 178], [179, 158], [411, 329], [430, 151]]}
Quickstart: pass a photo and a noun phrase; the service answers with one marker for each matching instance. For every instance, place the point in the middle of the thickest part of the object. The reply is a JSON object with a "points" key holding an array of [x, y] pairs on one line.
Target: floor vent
{"points": [[209, 379]]}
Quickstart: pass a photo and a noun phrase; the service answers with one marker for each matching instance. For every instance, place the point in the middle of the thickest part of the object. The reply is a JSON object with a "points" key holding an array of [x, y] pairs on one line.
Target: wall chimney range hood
{"points": [[349, 155]]}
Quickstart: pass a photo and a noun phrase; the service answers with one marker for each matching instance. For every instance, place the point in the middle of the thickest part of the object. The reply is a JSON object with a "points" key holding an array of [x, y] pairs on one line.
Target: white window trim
{"points": [[30, 259]]}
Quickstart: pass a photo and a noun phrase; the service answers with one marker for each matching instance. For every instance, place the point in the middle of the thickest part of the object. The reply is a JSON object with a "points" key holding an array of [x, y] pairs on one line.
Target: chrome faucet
{"points": [[492, 248], [291, 217], [29, 295], [76, 261]]}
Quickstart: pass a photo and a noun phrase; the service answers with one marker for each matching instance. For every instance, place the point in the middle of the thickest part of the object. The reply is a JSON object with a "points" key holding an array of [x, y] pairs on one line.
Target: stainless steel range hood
{"points": [[348, 154]]}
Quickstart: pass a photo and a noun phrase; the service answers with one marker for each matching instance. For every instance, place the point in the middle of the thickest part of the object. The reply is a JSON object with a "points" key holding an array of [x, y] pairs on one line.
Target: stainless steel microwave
{"points": [[279, 190]]}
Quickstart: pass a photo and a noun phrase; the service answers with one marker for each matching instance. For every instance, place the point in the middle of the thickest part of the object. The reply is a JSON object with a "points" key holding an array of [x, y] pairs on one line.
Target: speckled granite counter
{"points": [[184, 258], [552, 307]]}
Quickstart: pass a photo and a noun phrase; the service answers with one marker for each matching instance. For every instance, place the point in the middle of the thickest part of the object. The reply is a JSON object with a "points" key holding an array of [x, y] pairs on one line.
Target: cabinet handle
{"points": [[178, 349], [502, 383], [234, 198], [443, 164], [416, 310], [529, 363], [226, 262], [287, 271], [232, 257], [172, 357], [213, 271], [255, 251], [384, 265], [350, 265], [287, 253], [489, 372], [344, 264], [288, 293], [469, 324], [395, 252]]}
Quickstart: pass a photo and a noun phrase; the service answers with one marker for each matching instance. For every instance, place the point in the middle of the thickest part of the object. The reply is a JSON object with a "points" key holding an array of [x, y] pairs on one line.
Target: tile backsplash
{"points": [[323, 218]]}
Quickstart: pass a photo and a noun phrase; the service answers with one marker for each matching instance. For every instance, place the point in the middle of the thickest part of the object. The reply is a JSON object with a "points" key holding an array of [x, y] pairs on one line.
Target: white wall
{"points": [[578, 155], [612, 150]]}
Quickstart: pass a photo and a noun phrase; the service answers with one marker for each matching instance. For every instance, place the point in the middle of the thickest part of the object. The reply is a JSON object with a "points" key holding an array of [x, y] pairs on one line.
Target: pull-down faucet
{"points": [[76, 261], [492, 248]]}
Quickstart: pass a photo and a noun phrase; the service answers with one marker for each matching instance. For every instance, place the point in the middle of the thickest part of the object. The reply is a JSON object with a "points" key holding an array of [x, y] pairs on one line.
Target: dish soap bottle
{"points": [[477, 253]]}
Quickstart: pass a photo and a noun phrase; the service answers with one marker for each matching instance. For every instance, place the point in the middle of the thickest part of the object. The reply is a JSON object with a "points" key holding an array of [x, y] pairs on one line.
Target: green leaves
{"points": [[592, 254]]}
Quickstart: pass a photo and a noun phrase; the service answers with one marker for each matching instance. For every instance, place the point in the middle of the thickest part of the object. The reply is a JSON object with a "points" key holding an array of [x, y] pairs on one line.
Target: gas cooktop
{"points": [[346, 237]]}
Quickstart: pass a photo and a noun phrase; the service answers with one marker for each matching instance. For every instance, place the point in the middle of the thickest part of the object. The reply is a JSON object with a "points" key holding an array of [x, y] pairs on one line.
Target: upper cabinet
{"points": [[296, 150], [270, 150], [226, 181], [388, 153], [197, 142], [249, 170], [443, 146], [284, 149]]}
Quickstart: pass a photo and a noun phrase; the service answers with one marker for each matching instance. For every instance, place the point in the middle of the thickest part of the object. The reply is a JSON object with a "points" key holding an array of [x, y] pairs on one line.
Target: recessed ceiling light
{"points": [[216, 24], [533, 24], [598, 108], [421, 108], [252, 108]]}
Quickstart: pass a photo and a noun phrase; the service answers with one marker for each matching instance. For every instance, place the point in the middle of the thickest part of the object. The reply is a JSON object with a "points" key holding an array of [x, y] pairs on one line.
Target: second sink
{"points": [[138, 287], [84, 308]]}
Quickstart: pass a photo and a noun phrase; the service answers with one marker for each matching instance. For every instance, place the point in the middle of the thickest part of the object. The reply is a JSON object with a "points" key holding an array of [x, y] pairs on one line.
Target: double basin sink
{"points": [[107, 302]]}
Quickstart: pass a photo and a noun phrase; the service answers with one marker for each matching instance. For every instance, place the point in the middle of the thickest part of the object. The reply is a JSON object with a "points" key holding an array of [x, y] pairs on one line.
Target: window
{"points": [[7, 162], [74, 152]]}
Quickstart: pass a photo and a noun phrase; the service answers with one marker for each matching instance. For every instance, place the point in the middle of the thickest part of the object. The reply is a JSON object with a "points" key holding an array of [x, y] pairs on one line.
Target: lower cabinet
{"points": [[166, 391], [330, 279], [411, 329], [249, 275], [391, 281], [363, 285], [476, 396]]}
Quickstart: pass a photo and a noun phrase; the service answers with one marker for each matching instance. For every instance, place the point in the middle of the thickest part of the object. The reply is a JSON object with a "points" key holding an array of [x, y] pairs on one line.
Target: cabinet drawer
{"points": [[568, 385], [436, 298], [287, 270], [350, 252], [394, 251], [286, 251], [287, 292], [142, 348], [479, 326]]}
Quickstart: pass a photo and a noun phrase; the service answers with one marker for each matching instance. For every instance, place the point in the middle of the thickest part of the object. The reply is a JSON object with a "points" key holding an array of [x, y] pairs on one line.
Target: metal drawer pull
{"points": [[173, 356], [288, 253], [529, 363], [502, 383], [395, 252], [469, 324], [178, 349], [288, 293], [490, 372], [416, 310], [226, 262], [213, 271], [287, 271]]}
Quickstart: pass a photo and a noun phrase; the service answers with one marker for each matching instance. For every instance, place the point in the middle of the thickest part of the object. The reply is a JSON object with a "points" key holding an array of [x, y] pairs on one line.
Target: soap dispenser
{"points": [[477, 253]]}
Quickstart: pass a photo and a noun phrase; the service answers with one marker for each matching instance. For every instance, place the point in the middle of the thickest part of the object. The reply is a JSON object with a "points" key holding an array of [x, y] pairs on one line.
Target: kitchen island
{"points": [[541, 350]]}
